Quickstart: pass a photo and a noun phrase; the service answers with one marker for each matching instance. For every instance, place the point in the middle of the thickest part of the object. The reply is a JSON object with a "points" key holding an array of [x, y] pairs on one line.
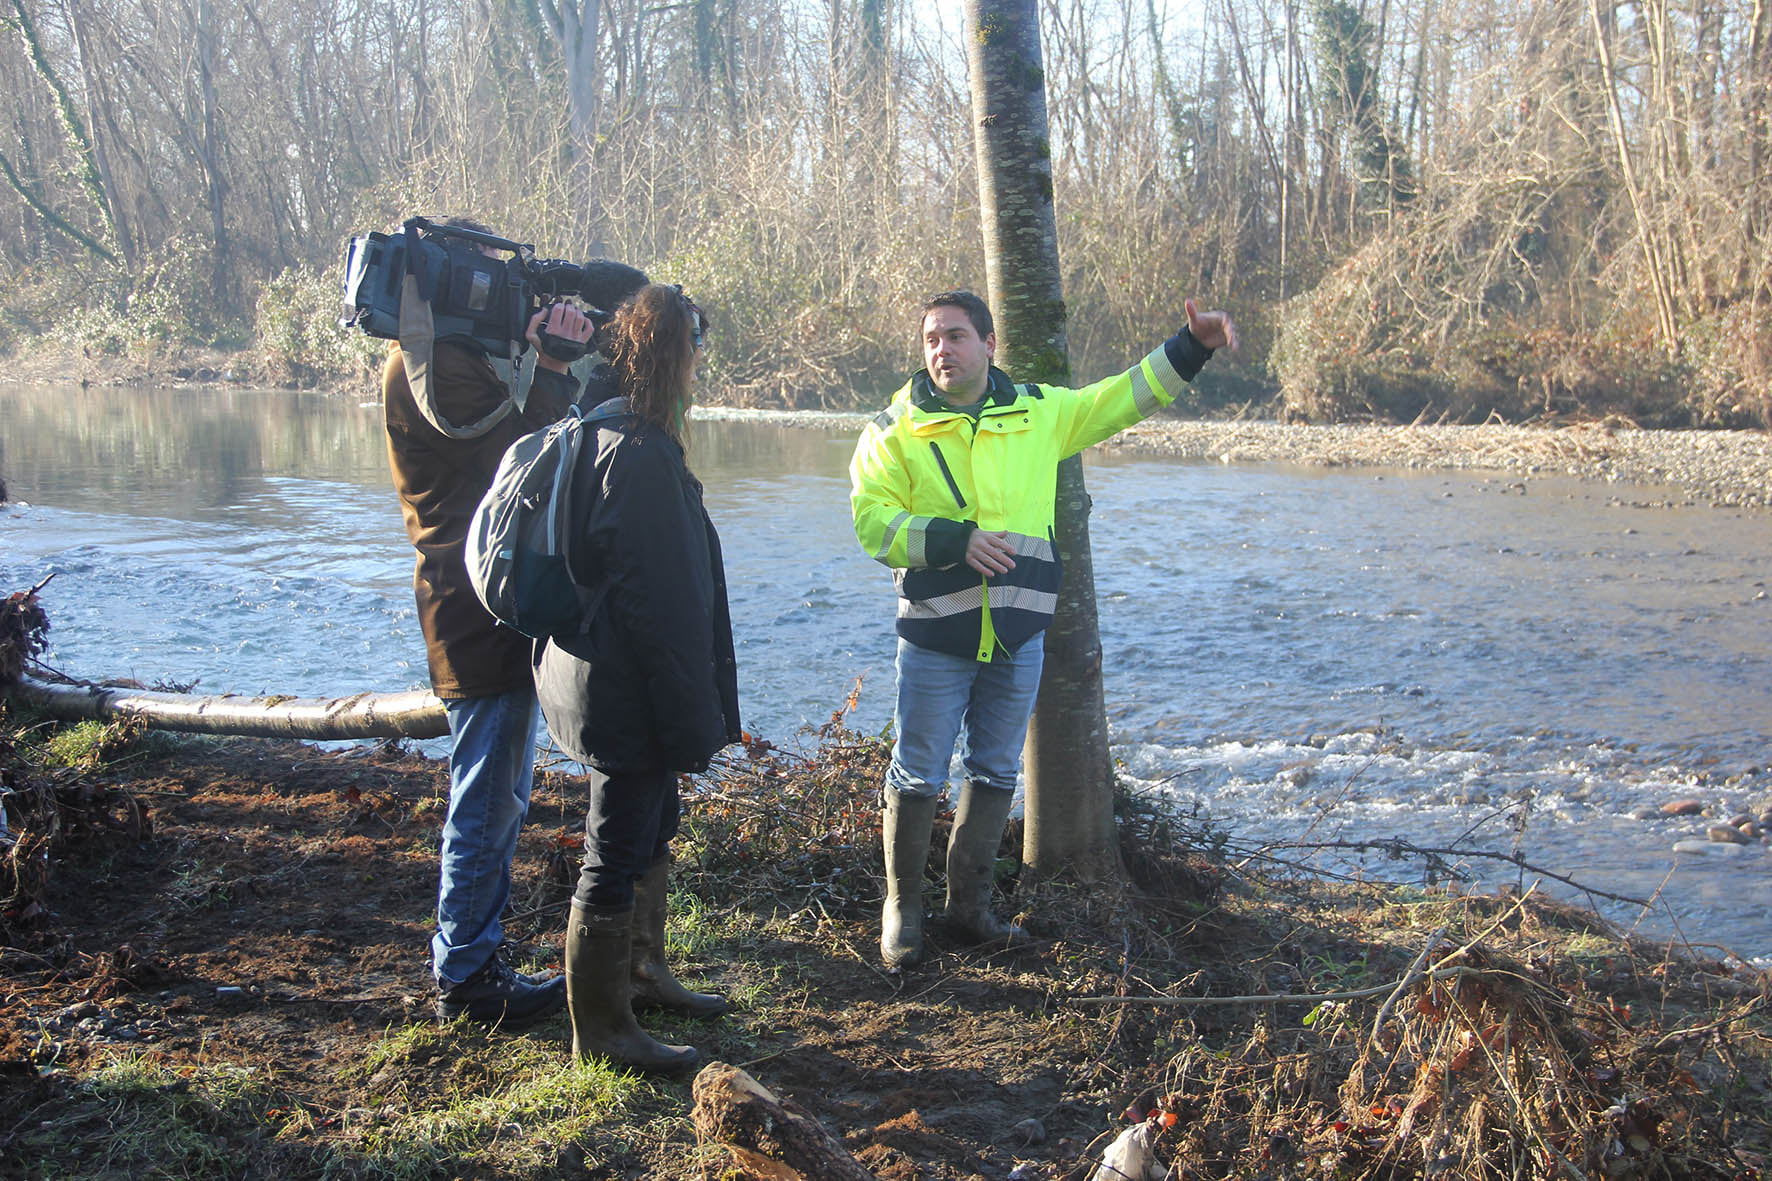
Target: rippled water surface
{"points": [[1306, 655]]}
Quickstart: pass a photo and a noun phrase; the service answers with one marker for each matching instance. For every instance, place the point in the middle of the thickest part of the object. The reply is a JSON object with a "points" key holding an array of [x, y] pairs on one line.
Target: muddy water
{"points": [[1303, 656]]}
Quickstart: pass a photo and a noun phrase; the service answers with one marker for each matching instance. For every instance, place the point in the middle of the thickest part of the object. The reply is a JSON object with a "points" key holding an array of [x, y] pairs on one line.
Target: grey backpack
{"points": [[520, 540]]}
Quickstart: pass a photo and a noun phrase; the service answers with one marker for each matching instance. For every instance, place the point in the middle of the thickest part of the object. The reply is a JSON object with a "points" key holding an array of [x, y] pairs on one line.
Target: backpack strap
{"points": [[590, 597]]}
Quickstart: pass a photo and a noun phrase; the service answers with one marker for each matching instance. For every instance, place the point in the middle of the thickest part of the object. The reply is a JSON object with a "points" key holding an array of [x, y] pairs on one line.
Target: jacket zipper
{"points": [[941, 462]]}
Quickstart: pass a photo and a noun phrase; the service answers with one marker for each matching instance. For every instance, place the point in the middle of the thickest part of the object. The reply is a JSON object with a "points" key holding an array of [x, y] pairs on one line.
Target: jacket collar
{"points": [[929, 400], [599, 388], [606, 397]]}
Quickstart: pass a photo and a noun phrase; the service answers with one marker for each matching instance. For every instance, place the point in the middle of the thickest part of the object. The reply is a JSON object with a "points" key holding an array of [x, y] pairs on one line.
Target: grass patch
{"points": [[137, 1117], [87, 745], [508, 1105]]}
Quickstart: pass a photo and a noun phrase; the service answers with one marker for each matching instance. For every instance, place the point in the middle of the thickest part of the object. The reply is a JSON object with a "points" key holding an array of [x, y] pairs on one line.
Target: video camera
{"points": [[474, 295]]}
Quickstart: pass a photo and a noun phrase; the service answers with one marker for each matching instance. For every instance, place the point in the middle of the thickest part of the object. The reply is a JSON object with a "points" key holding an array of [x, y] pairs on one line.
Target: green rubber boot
{"points": [[653, 984], [972, 865], [599, 947], [905, 824]]}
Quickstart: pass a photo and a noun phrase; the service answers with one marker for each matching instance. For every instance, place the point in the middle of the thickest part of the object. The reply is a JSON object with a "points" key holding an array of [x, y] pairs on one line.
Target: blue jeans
{"points": [[628, 826], [491, 767], [985, 706]]}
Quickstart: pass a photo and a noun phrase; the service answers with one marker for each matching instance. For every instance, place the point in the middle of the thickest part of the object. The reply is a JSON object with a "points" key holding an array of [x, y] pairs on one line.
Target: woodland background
{"points": [[1439, 210]]}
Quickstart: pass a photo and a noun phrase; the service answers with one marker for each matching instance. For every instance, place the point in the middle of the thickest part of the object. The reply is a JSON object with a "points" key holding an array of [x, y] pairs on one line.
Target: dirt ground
{"points": [[272, 913], [228, 977]]}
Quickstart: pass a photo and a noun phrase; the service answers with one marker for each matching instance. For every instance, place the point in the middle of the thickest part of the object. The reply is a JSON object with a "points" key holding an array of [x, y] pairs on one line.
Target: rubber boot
{"points": [[905, 823], [972, 865], [599, 946], [653, 984]]}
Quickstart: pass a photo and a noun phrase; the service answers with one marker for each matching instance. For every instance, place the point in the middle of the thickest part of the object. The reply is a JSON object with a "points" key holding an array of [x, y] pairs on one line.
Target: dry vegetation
{"points": [[1520, 209]]}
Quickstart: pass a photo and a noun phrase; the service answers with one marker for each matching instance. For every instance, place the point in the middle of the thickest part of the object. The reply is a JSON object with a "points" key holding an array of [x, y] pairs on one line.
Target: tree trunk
{"points": [[79, 143], [1652, 260], [1758, 119], [574, 26], [98, 107], [1070, 782], [208, 146], [414, 714]]}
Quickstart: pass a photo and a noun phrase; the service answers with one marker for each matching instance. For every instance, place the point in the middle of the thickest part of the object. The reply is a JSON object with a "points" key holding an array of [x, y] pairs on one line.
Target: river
{"points": [[1297, 654]]}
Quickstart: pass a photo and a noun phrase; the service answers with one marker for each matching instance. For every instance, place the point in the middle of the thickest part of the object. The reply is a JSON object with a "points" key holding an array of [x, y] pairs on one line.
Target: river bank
{"points": [[1724, 468], [222, 973], [225, 971]]}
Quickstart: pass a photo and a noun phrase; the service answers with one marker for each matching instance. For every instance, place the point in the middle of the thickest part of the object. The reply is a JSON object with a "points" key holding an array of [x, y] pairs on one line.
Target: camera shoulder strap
{"points": [[418, 339]]}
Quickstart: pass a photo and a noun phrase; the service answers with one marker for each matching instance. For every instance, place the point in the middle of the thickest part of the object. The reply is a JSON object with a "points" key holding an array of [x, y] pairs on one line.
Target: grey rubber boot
{"points": [[599, 946], [905, 824], [653, 984], [972, 865]]}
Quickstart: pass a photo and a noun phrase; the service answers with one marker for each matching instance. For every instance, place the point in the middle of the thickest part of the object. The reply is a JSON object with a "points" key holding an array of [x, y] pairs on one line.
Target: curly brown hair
{"points": [[651, 346]]}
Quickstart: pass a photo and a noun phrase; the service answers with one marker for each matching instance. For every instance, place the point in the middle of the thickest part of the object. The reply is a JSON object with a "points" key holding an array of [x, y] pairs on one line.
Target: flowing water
{"points": [[1304, 656]]}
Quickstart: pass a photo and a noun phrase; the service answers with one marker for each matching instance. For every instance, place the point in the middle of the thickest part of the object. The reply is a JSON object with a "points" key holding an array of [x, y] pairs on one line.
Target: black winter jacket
{"points": [[653, 683]]}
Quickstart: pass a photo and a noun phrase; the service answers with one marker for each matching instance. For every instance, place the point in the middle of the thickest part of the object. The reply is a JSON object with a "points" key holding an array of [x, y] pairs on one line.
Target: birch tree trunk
{"points": [[1070, 797], [413, 714]]}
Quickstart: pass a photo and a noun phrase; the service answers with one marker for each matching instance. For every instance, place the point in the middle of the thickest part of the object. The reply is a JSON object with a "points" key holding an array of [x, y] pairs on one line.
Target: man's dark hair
{"points": [[974, 307]]}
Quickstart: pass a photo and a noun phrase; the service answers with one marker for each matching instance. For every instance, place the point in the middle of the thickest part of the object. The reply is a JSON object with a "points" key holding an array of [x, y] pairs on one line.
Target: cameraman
{"points": [[480, 671]]}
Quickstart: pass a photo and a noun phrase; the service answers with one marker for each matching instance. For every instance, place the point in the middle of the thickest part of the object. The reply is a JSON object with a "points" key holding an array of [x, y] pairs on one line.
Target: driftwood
{"points": [[770, 1139], [413, 714]]}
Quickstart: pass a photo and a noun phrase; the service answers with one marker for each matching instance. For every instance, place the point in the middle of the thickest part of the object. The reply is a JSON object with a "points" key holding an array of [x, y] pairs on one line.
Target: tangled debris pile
{"points": [[773, 828], [1494, 1068], [43, 807], [24, 632]]}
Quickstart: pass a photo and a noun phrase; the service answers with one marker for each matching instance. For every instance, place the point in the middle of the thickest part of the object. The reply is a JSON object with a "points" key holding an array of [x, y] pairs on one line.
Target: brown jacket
{"points": [[440, 481]]}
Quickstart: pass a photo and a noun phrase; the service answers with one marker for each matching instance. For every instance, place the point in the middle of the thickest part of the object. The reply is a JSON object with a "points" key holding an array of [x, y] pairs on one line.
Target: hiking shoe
{"points": [[496, 994]]}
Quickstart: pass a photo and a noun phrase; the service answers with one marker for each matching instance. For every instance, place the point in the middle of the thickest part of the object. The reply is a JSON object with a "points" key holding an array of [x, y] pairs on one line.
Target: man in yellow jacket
{"points": [[953, 487]]}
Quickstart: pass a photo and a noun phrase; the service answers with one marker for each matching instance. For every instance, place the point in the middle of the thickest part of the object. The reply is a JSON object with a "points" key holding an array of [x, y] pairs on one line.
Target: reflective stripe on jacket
{"points": [[924, 475]]}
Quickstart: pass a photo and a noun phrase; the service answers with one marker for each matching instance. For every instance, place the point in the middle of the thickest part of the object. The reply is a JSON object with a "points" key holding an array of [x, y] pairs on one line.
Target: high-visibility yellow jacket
{"points": [[924, 475]]}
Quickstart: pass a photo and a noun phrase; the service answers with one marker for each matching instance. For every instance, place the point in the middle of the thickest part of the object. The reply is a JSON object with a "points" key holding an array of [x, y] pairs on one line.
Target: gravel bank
{"points": [[1723, 468]]}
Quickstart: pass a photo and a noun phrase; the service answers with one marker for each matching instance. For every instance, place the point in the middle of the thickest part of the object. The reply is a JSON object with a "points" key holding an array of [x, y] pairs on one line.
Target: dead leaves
{"points": [[24, 632], [49, 815], [1513, 1067]]}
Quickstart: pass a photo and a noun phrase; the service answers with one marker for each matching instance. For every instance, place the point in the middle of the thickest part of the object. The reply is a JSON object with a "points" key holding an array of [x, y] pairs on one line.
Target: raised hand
{"points": [[1212, 329]]}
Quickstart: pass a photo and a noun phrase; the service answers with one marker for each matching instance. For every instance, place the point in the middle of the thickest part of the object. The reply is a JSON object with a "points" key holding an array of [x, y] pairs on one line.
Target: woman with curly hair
{"points": [[650, 690]]}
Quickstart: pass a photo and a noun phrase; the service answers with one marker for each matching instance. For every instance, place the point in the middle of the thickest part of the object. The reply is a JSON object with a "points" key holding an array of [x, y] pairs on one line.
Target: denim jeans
{"points": [[985, 706], [628, 826], [491, 767]]}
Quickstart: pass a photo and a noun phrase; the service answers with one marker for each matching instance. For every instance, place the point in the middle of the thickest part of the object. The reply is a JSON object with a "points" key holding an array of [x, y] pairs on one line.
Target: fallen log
{"points": [[770, 1139], [412, 714]]}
